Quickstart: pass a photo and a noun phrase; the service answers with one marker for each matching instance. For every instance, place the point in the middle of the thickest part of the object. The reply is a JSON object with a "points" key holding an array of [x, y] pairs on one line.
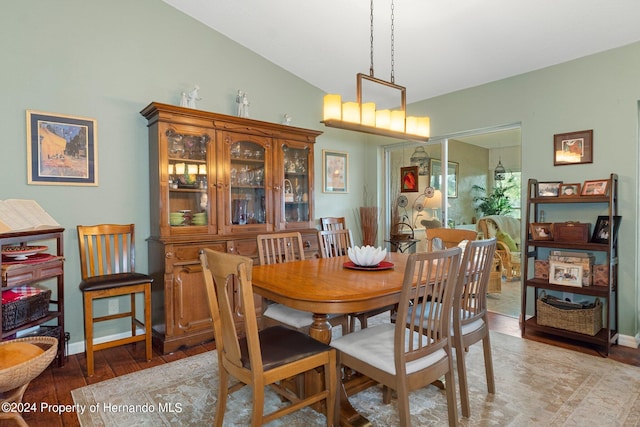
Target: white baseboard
{"points": [[78, 347], [629, 341]]}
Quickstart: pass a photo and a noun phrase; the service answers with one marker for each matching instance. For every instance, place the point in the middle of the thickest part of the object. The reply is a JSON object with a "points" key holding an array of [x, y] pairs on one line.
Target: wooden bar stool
{"points": [[107, 262]]}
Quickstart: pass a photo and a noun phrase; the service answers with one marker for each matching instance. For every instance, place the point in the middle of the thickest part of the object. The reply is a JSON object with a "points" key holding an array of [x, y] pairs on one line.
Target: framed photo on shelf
{"points": [[61, 149], [549, 189], [541, 230], [561, 273], [598, 187], [409, 179], [335, 171], [569, 190], [603, 230], [573, 148]]}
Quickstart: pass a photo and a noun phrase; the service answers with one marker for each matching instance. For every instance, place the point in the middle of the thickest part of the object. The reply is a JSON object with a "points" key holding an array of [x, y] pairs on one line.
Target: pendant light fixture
{"points": [[499, 174], [421, 159], [361, 116]]}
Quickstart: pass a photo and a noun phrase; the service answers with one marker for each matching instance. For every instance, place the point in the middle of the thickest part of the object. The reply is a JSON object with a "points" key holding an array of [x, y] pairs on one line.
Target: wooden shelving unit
{"points": [[534, 249]]}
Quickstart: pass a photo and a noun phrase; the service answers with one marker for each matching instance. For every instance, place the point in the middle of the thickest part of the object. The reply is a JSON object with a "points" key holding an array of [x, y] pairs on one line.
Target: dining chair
{"points": [[261, 358], [469, 319], [287, 247], [107, 266], [406, 358], [332, 223], [336, 243], [447, 237]]}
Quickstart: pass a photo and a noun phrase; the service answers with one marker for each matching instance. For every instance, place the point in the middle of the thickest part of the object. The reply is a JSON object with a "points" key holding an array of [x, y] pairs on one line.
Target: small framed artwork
{"points": [[541, 230], [573, 148], [335, 171], [569, 190], [409, 179], [595, 188], [603, 230], [61, 149], [549, 189], [565, 274], [435, 177]]}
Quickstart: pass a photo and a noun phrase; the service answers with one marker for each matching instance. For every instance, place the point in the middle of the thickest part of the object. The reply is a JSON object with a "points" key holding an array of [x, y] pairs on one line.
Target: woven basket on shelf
{"points": [[585, 321]]}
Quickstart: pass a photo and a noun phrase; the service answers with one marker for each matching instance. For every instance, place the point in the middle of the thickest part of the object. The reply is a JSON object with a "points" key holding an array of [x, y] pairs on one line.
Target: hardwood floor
{"points": [[55, 384]]}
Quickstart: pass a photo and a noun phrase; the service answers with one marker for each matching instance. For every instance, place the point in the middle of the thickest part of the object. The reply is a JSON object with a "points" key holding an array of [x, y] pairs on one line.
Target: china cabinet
{"points": [[40, 269], [606, 254], [217, 181]]}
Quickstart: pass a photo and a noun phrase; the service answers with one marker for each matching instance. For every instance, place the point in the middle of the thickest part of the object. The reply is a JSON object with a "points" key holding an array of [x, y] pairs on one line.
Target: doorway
{"points": [[471, 159]]}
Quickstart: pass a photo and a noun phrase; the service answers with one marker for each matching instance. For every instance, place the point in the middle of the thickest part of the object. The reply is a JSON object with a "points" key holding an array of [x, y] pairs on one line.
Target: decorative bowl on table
{"points": [[366, 256]]}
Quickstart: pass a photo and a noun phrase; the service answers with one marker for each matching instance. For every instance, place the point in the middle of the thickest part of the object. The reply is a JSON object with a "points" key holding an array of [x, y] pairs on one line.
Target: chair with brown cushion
{"points": [[262, 358], [447, 237], [336, 243], [287, 247], [107, 264], [406, 358], [469, 319], [332, 223]]}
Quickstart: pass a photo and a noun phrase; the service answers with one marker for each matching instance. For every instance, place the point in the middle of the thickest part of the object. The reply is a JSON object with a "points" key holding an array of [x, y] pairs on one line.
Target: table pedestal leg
{"points": [[320, 330]]}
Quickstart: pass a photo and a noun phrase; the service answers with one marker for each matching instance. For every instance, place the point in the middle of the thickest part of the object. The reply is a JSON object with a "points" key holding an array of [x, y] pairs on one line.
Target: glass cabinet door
{"points": [[296, 190], [188, 179], [247, 206]]}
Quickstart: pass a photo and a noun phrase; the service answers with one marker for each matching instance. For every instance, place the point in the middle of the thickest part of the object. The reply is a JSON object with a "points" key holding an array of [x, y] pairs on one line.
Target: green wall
{"points": [[107, 60], [598, 92]]}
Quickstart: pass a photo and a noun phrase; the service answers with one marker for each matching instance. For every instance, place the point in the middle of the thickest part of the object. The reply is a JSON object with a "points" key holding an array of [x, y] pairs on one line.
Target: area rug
{"points": [[536, 385]]}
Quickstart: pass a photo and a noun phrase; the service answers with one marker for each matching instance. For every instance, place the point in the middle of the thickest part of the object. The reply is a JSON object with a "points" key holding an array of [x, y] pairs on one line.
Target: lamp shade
{"points": [[434, 202], [351, 112], [369, 114]]}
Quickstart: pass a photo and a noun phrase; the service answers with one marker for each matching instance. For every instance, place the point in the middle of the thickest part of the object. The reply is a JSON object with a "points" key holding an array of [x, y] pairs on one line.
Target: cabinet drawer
{"points": [[22, 274], [192, 252], [247, 247]]}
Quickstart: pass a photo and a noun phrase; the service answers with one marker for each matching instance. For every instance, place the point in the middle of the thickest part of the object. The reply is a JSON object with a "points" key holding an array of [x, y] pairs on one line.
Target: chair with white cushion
{"points": [[287, 247], [406, 358], [469, 319]]}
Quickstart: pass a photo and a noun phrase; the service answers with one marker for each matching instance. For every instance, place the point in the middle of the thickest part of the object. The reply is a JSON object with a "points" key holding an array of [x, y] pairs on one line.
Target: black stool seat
{"points": [[110, 281]]}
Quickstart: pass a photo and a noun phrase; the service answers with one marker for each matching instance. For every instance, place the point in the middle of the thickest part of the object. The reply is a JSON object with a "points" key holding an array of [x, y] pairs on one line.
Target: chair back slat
{"points": [[334, 243], [332, 223], [222, 272], [280, 247], [435, 275], [106, 249], [475, 270]]}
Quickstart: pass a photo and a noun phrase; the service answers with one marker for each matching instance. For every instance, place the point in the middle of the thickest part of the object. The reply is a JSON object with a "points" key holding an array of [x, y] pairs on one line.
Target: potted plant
{"points": [[496, 202]]}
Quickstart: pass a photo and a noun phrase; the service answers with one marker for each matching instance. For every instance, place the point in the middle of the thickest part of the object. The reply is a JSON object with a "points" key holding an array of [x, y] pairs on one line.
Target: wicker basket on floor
{"points": [[585, 321]]}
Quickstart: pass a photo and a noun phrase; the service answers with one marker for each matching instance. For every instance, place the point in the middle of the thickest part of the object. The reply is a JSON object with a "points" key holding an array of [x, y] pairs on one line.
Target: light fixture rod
{"points": [[402, 89]]}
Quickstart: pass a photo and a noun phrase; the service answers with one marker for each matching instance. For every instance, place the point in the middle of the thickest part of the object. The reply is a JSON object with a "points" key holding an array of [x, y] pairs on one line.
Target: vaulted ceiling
{"points": [[440, 46]]}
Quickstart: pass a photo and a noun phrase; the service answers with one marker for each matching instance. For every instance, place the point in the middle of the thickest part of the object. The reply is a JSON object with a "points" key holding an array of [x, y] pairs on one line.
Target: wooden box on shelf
{"points": [[570, 231]]}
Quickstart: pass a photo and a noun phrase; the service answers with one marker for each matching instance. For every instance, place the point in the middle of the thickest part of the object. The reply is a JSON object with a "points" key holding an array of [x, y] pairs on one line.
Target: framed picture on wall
{"points": [[409, 179], [61, 149], [335, 171], [573, 148], [435, 176]]}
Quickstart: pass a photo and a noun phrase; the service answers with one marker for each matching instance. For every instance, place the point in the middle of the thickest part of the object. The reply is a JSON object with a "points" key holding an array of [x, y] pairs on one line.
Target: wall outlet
{"points": [[114, 306]]}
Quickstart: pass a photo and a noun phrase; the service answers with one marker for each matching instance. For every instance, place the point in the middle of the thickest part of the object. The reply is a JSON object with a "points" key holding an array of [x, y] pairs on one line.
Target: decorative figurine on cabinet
{"points": [[193, 97], [243, 104]]}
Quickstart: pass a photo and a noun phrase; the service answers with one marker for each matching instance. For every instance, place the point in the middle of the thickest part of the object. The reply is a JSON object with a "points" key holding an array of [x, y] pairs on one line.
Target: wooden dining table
{"points": [[325, 286]]}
